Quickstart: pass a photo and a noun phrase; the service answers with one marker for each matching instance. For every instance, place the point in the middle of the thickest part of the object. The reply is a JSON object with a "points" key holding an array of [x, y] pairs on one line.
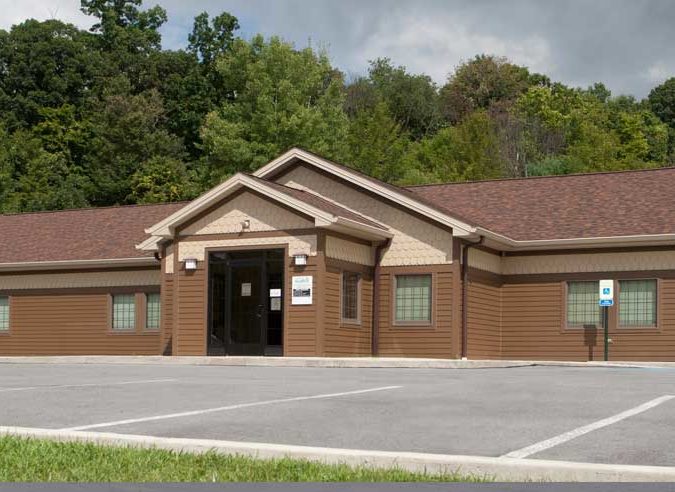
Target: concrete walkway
{"points": [[330, 362]]}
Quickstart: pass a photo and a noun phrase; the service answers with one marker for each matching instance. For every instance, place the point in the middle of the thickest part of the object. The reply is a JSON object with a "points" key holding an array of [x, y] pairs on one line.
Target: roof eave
{"points": [[78, 264]]}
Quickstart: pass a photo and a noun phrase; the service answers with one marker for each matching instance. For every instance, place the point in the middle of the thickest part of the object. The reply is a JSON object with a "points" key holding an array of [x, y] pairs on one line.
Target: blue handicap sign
{"points": [[606, 302], [605, 291]]}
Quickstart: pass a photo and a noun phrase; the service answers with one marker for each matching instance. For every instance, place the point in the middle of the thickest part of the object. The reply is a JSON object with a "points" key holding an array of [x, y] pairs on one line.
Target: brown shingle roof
{"points": [[564, 207], [82, 234]]}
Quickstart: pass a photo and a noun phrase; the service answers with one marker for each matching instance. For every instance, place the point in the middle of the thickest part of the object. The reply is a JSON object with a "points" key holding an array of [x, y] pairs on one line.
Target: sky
{"points": [[629, 45]]}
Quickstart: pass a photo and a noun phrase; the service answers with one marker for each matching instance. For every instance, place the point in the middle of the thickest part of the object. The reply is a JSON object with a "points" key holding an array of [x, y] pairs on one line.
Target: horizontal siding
{"points": [[66, 324], [191, 312], [483, 320], [532, 318], [346, 340], [422, 341], [300, 329]]}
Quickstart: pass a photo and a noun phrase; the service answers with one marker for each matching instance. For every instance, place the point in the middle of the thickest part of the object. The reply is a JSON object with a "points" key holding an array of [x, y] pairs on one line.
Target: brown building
{"points": [[309, 258]]}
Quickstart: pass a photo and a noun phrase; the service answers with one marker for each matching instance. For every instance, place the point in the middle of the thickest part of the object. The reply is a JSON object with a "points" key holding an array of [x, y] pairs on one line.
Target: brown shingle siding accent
{"points": [[83, 234], [562, 207]]}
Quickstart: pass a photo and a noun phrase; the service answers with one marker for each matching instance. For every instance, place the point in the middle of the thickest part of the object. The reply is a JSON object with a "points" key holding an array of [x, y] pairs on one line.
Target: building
{"points": [[306, 257]]}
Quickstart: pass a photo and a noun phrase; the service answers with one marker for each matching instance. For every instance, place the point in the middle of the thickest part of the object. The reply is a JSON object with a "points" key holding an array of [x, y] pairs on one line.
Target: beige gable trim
{"points": [[482, 260], [305, 244], [80, 280], [262, 215], [589, 262], [342, 249], [414, 242], [168, 268], [461, 228]]}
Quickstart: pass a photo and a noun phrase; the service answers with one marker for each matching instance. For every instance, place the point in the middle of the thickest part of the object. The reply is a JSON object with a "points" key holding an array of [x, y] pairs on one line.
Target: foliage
{"points": [[30, 460], [107, 116]]}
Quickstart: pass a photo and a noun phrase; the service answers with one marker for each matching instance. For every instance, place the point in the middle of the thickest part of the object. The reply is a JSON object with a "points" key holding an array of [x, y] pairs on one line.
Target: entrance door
{"points": [[246, 303]]}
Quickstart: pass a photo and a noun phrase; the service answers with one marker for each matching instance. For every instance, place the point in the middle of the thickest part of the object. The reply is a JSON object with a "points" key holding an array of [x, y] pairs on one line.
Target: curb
{"points": [[324, 362], [504, 469]]}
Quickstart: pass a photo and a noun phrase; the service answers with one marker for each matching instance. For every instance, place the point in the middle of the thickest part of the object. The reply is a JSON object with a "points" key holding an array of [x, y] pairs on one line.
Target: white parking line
{"points": [[85, 385], [580, 431], [228, 407]]}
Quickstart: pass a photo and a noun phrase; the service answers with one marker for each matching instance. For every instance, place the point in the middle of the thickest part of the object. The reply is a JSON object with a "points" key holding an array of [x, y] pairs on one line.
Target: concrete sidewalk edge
{"points": [[505, 469], [326, 362]]}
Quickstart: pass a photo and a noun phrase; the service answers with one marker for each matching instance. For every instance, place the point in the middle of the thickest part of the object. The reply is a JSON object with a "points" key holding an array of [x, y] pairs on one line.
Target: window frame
{"points": [[432, 304], [111, 313], [566, 322], [6, 331], [359, 282], [639, 328], [146, 326]]}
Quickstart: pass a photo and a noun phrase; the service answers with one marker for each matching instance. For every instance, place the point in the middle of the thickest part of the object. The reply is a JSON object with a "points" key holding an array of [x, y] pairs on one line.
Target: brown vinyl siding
{"points": [[484, 320], [301, 323], [70, 324], [347, 339], [191, 301], [435, 340], [166, 320]]}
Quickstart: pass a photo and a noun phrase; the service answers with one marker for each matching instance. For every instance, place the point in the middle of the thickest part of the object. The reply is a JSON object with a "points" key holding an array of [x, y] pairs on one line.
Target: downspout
{"points": [[375, 328], [465, 289]]}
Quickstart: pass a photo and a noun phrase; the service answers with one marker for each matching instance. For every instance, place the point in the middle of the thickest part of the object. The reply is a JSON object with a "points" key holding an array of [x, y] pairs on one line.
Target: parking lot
{"points": [[599, 415]]}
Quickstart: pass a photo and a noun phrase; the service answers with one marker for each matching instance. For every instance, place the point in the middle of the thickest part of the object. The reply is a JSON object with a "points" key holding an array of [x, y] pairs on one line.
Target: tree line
{"points": [[106, 116]]}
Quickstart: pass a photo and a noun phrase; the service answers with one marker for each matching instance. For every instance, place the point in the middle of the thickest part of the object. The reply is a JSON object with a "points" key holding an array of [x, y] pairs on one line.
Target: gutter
{"points": [[375, 328], [72, 264], [465, 287]]}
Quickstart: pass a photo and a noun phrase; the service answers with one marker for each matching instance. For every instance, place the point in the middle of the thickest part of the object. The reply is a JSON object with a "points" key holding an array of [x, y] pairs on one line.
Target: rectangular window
{"points": [[413, 299], [582, 304], [637, 303], [350, 297], [124, 312], [4, 313], [152, 311]]}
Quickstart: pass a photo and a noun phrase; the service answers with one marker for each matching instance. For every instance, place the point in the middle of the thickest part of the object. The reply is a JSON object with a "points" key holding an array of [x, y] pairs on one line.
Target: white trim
{"points": [[459, 227], [56, 265]]}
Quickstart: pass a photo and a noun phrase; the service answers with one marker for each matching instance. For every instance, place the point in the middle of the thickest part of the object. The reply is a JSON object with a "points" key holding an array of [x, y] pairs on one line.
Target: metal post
{"points": [[605, 322]]}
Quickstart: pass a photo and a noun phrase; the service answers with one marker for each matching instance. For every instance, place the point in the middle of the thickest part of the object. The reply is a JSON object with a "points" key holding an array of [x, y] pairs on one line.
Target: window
{"points": [[350, 297], [4, 313], [152, 311], [124, 312], [582, 304], [413, 299], [637, 303]]}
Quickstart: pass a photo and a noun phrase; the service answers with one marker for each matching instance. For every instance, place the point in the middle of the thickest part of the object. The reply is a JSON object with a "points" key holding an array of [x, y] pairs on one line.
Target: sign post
{"points": [[606, 295]]}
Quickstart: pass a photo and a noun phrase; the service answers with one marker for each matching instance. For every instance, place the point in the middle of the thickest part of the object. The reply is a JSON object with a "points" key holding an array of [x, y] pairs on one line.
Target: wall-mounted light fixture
{"points": [[245, 225], [190, 264], [299, 260]]}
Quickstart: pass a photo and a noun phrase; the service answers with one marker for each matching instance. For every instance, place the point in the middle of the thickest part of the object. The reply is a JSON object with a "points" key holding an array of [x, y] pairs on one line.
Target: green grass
{"points": [[32, 460]]}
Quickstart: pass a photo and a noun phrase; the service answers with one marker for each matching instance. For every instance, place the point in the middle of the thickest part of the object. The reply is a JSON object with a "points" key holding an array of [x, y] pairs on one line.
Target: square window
{"points": [[637, 303], [583, 307], [413, 299], [124, 312]]}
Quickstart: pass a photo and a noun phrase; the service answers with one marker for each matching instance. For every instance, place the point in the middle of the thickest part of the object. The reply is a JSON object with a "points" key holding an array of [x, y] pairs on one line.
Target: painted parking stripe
{"points": [[580, 431], [85, 385], [229, 407]]}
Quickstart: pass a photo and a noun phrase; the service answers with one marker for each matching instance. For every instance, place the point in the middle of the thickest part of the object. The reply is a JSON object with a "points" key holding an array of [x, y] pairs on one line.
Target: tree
{"points": [[468, 151], [210, 40], [661, 100], [162, 179], [283, 98], [376, 143], [411, 99], [483, 81]]}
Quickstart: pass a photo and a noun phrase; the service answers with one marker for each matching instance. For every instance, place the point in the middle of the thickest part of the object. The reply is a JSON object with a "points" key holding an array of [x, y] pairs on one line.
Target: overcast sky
{"points": [[627, 44]]}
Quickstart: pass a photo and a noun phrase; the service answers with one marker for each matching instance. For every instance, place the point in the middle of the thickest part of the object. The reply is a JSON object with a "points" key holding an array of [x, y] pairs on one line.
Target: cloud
{"points": [[626, 44]]}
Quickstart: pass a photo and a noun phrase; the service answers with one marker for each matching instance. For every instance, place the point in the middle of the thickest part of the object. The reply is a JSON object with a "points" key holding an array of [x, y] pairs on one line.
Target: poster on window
{"points": [[301, 287]]}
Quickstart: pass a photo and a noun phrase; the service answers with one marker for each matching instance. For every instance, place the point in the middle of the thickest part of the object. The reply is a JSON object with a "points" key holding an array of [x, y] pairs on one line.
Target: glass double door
{"points": [[246, 308]]}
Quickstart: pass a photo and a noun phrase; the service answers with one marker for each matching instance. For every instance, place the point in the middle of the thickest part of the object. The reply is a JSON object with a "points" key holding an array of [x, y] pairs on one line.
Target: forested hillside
{"points": [[102, 117]]}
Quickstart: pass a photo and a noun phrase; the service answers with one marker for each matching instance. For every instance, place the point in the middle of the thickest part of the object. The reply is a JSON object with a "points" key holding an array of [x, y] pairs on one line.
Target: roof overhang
{"points": [[504, 243], [79, 264], [322, 219], [459, 227]]}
